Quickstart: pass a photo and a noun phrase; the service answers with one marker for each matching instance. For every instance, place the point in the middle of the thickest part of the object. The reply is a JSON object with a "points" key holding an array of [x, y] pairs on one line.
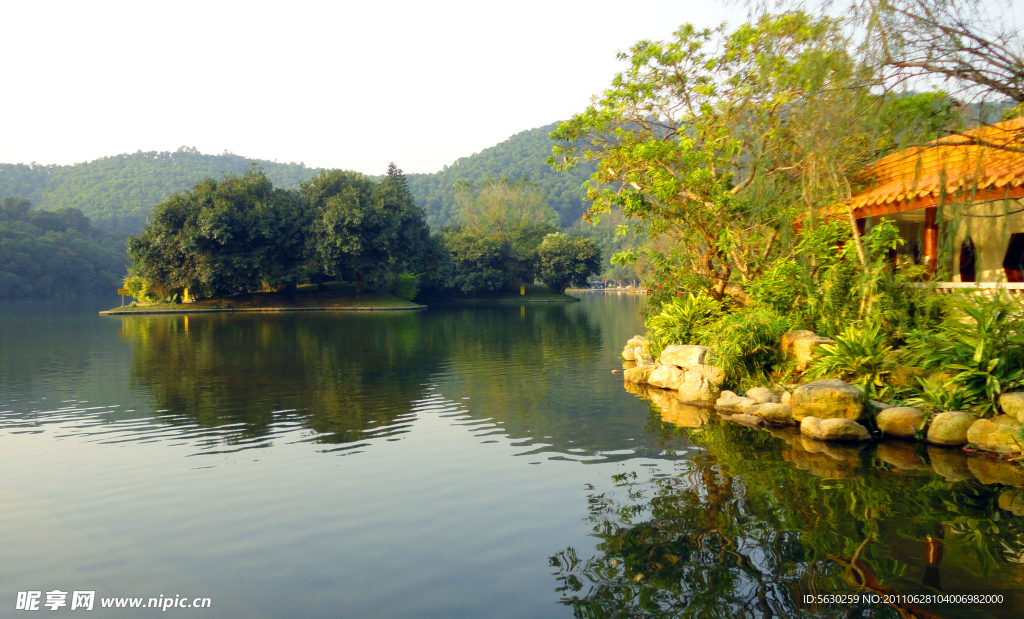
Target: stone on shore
{"points": [[729, 402], [902, 421], [950, 428], [629, 354], [1013, 404], [762, 395], [666, 377], [685, 356], [638, 375], [786, 397], [999, 435], [637, 340], [829, 398], [834, 429], [799, 345], [772, 412], [701, 383]]}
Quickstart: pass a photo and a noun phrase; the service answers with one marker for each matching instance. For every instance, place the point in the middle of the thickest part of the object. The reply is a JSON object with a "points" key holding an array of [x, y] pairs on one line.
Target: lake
{"points": [[477, 460]]}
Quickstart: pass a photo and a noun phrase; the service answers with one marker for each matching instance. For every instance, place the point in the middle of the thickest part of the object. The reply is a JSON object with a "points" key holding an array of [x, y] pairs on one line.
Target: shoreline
{"points": [[223, 310]]}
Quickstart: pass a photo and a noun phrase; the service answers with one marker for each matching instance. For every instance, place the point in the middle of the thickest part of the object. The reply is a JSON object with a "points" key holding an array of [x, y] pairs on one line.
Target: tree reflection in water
{"points": [[758, 520]]}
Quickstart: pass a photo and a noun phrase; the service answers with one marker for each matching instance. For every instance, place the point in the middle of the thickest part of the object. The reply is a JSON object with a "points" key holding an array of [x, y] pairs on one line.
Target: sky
{"points": [[350, 85]]}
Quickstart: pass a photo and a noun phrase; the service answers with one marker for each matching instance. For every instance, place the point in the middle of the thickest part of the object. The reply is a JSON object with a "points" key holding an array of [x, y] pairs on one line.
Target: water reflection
{"points": [[759, 519]]}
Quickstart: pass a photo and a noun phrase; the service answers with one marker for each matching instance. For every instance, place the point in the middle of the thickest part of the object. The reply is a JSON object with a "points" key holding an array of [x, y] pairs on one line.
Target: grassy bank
{"points": [[334, 296], [534, 294]]}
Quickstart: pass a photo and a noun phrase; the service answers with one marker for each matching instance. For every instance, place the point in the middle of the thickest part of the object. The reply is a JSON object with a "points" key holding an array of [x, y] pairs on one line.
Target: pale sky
{"points": [[349, 85]]}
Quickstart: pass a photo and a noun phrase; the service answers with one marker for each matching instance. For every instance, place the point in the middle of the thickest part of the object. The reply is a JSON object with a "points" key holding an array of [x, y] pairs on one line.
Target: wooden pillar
{"points": [[931, 239]]}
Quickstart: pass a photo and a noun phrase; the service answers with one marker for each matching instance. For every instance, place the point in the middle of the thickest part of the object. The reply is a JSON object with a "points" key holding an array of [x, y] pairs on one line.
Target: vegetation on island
{"points": [[733, 150], [55, 253], [241, 235]]}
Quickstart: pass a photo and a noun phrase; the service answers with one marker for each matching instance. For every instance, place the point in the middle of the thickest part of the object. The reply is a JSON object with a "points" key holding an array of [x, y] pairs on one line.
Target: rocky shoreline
{"points": [[828, 411]]}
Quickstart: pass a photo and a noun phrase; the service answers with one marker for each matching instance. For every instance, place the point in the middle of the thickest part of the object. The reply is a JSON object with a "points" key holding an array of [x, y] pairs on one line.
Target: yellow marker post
{"points": [[522, 289], [122, 292]]}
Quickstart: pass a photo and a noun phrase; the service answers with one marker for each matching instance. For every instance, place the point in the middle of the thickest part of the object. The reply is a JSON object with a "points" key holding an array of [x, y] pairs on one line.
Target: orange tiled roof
{"points": [[923, 176]]}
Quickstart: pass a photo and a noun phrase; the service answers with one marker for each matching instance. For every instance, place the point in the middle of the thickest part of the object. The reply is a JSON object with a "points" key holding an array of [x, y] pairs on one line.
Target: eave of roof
{"points": [[971, 166]]}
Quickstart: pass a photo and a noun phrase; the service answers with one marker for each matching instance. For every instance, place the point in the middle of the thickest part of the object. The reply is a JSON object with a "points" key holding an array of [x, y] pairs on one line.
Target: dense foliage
{"points": [[567, 261], [55, 253], [241, 234]]}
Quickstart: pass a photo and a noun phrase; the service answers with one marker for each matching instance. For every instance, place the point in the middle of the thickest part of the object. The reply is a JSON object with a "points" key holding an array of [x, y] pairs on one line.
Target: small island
{"points": [[331, 297]]}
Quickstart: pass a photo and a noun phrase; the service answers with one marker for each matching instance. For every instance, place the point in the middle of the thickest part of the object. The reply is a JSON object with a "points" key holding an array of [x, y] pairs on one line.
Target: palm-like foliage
{"points": [[861, 356]]}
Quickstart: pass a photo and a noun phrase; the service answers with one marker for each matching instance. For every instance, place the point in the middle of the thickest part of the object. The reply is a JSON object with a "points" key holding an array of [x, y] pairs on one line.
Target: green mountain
{"points": [[117, 193], [523, 154]]}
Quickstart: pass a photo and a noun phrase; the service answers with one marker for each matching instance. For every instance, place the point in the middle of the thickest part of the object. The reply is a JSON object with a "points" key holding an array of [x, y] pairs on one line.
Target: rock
{"points": [[637, 340], [685, 356], [639, 374], [874, 407], [950, 428], [990, 470], [950, 463], [628, 354], [666, 377], [834, 429], [903, 421], [641, 354], [747, 420], [712, 373], [828, 398], [646, 361], [999, 435], [786, 397], [800, 345], [772, 412], [1013, 404], [729, 402], [761, 395], [700, 384], [1012, 500], [903, 455]]}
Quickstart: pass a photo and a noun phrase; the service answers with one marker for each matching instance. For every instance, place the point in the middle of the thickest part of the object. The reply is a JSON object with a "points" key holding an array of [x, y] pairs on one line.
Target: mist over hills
{"points": [[118, 192]]}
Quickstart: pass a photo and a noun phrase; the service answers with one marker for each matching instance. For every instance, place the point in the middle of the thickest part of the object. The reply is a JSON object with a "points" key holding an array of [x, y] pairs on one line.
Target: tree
{"points": [[480, 263], [223, 237], [567, 260], [362, 230]]}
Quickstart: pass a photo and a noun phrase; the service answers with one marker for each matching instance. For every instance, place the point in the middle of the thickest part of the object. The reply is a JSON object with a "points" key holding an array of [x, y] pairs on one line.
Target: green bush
{"points": [[860, 356], [682, 321], [746, 343], [404, 286]]}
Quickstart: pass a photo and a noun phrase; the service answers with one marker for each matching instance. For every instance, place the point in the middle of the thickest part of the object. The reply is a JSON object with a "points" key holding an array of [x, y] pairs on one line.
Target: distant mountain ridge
{"points": [[118, 192]]}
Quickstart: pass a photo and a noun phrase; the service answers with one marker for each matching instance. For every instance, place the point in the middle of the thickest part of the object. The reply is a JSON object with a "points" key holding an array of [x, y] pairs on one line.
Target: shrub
{"points": [[860, 356], [681, 321], [404, 286]]}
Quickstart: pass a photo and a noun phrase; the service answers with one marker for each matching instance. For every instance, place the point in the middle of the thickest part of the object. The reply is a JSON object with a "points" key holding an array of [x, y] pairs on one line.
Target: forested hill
{"points": [[118, 192], [524, 153]]}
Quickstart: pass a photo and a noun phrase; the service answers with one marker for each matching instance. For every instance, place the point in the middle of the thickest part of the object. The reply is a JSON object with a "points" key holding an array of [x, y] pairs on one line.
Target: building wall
{"points": [[989, 226]]}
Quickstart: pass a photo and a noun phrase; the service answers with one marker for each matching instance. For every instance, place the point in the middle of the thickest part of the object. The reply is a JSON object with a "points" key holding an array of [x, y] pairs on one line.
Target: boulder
{"points": [[641, 354], [950, 463], [666, 377], [828, 398], [762, 395], [1013, 404], [712, 373], [786, 397], [700, 384], [773, 412], [685, 356], [902, 421], [834, 429], [950, 428], [639, 374], [1000, 435], [729, 402], [874, 407], [800, 345], [628, 354], [637, 340], [990, 470]]}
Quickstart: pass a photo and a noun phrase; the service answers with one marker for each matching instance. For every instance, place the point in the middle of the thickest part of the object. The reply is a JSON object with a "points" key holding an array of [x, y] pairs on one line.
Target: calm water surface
{"points": [[475, 461]]}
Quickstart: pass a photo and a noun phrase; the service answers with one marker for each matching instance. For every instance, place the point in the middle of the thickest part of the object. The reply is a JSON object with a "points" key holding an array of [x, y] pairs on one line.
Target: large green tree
{"points": [[567, 260], [235, 235]]}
